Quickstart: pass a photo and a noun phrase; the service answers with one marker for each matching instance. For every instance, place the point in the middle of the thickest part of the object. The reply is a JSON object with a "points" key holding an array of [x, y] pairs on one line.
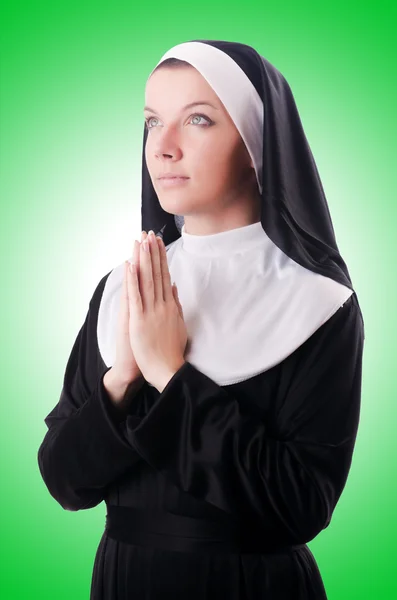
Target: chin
{"points": [[170, 202], [173, 208]]}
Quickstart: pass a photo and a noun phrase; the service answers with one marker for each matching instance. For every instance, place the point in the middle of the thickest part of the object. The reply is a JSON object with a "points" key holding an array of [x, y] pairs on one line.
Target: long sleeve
{"points": [[286, 475], [84, 449]]}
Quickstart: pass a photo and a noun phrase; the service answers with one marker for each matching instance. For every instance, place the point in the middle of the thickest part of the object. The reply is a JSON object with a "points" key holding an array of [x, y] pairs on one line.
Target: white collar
{"points": [[246, 304], [225, 243]]}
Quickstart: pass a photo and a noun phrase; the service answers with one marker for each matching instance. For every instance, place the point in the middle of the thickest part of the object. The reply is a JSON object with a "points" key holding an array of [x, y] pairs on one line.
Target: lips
{"points": [[173, 181], [172, 176]]}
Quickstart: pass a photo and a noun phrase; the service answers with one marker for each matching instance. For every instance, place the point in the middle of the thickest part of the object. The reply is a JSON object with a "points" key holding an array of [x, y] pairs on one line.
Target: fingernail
{"points": [[145, 245]]}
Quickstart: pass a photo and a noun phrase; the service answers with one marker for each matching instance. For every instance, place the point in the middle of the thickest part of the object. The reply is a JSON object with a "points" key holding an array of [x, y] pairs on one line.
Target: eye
{"points": [[202, 117], [148, 120], [194, 116]]}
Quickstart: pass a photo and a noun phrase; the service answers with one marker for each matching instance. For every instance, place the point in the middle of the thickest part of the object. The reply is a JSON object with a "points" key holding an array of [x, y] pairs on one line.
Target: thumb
{"points": [[176, 298]]}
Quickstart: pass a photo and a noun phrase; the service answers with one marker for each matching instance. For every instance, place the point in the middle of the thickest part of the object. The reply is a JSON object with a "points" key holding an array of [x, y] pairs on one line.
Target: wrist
{"points": [[119, 379], [117, 385], [164, 376]]}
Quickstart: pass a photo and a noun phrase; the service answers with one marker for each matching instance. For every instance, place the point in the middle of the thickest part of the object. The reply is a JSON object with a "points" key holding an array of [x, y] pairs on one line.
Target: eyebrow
{"points": [[185, 107]]}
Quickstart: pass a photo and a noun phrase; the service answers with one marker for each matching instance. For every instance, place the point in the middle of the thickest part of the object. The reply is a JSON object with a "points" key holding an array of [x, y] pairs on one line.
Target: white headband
{"points": [[234, 89]]}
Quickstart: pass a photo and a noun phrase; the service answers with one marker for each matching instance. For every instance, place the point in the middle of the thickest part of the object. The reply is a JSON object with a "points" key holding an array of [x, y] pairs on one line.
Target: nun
{"points": [[217, 417]]}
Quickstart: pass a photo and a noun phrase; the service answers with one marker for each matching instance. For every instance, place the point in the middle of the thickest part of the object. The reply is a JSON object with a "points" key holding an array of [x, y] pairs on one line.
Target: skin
{"points": [[222, 191], [154, 306]]}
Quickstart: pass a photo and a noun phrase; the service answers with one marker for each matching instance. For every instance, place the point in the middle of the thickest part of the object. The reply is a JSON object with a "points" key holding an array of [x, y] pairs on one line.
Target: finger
{"points": [[135, 260], [134, 296], [165, 273], [146, 276], [135, 255], [143, 237], [156, 268], [176, 299], [138, 254]]}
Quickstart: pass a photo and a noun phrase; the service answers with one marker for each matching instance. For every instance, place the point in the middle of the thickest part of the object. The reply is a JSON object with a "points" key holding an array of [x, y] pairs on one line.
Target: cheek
{"points": [[147, 156], [221, 171], [213, 156]]}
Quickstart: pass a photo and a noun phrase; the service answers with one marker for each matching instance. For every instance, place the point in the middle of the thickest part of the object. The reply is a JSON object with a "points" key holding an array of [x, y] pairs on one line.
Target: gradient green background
{"points": [[72, 92]]}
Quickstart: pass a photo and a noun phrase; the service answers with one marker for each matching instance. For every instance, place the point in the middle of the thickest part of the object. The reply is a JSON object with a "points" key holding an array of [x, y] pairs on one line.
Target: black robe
{"points": [[212, 492]]}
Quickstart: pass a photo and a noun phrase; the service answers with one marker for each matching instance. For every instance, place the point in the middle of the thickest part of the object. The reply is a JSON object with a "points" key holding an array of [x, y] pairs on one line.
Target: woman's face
{"points": [[200, 142]]}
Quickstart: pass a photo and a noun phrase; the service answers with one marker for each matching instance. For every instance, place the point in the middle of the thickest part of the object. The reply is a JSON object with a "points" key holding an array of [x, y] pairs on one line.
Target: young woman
{"points": [[216, 420]]}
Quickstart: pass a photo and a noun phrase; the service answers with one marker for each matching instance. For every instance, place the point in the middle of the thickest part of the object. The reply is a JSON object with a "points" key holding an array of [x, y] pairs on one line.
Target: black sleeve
{"points": [[286, 475], [84, 449]]}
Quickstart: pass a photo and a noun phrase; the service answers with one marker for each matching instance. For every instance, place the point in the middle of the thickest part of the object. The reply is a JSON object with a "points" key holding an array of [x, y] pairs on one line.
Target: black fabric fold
{"points": [[285, 476], [84, 449], [169, 531]]}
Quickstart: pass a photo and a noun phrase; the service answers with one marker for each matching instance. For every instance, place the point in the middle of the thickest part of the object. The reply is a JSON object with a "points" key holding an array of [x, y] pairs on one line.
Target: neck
{"points": [[240, 214]]}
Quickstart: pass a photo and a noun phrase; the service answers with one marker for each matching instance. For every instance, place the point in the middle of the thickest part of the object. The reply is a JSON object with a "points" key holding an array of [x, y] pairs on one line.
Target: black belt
{"points": [[170, 531]]}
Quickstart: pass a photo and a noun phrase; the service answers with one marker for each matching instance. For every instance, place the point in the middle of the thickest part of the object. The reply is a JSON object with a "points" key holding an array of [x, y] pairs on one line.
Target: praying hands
{"points": [[157, 329]]}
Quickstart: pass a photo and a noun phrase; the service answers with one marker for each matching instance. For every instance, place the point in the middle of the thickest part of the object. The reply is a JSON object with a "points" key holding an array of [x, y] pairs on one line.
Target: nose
{"points": [[167, 145]]}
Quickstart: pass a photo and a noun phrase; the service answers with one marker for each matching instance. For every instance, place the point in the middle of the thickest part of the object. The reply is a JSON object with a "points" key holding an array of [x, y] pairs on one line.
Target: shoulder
{"points": [[98, 293], [348, 315], [339, 340]]}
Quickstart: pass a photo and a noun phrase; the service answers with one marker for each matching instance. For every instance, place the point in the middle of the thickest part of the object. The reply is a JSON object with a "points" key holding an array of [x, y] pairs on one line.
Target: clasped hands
{"points": [[158, 333]]}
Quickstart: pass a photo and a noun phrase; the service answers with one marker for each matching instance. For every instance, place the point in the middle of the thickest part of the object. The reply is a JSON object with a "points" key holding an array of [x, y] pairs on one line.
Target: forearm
{"points": [[83, 453]]}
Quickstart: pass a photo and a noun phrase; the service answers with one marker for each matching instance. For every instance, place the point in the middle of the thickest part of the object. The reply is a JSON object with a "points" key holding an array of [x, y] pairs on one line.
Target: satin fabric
{"points": [[271, 454]]}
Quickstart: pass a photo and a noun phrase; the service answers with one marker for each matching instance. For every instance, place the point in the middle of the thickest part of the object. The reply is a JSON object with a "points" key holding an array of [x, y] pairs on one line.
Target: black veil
{"points": [[294, 209]]}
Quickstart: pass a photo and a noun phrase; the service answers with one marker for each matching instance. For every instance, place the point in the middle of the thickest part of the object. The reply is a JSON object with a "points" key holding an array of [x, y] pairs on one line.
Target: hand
{"points": [[125, 368], [158, 333]]}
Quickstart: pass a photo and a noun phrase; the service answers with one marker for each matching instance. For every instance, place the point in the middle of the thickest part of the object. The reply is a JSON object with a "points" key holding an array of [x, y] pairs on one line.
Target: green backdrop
{"points": [[73, 76]]}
